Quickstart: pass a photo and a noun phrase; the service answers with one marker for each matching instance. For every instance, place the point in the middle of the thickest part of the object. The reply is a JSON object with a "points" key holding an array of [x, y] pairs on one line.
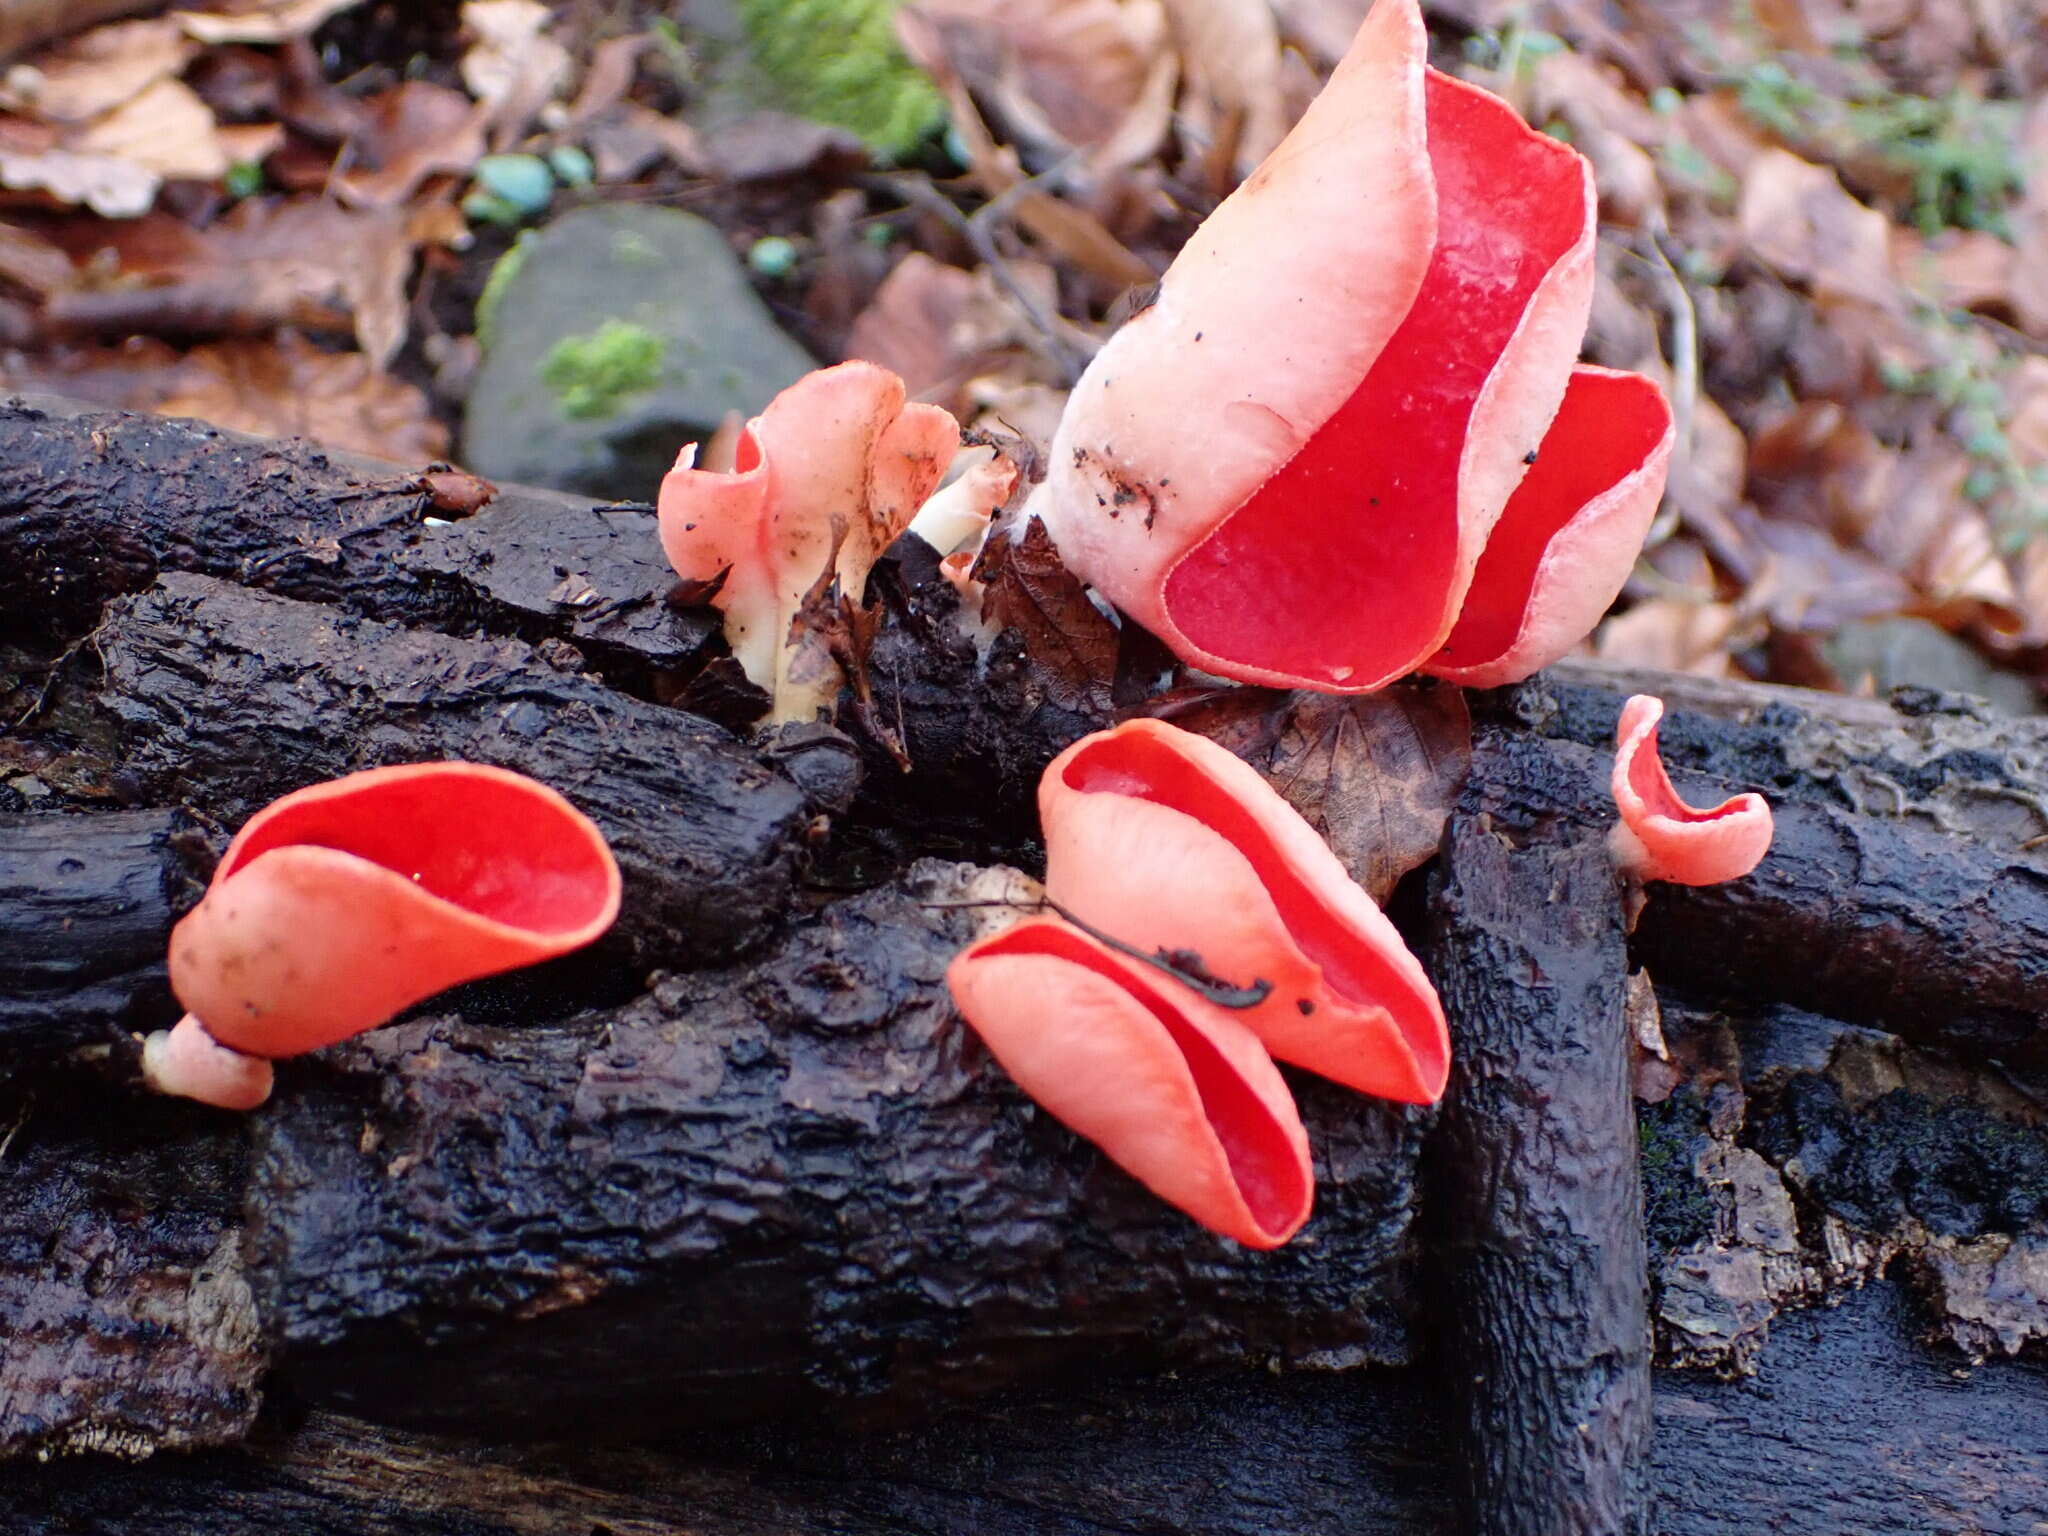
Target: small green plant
{"points": [[837, 62], [1967, 380], [591, 375], [1960, 151]]}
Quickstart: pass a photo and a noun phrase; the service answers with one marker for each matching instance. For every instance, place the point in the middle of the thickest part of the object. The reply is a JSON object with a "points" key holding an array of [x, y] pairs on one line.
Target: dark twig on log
{"points": [[1536, 1209], [797, 1185]]}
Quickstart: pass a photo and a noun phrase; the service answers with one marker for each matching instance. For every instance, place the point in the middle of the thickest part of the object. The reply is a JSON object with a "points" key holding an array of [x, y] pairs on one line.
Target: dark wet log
{"points": [[1536, 1209], [209, 695], [1875, 919], [1850, 1428], [94, 504], [1939, 761], [86, 902], [125, 1319], [792, 1187]]}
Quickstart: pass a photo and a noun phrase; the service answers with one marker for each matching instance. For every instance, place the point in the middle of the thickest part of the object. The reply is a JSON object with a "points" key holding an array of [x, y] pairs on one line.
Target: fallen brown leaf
{"points": [[2030, 224], [1671, 636], [1797, 218], [415, 130], [166, 130], [270, 21], [1377, 775], [300, 262], [290, 388], [1230, 54], [94, 73], [513, 68], [110, 186], [1070, 643]]}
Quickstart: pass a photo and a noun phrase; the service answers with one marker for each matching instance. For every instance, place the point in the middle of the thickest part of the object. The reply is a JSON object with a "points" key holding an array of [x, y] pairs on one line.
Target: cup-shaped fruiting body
{"points": [[1166, 841], [343, 904], [1289, 465], [1174, 1090], [822, 482], [1659, 836]]}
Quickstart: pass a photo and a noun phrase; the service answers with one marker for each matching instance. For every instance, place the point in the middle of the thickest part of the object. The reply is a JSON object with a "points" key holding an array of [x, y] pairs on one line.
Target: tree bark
{"points": [[794, 1186], [794, 1182], [1852, 1427], [85, 903], [1536, 1210]]}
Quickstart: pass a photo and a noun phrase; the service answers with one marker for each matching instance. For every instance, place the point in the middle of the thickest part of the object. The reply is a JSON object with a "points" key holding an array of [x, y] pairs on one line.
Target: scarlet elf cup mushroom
{"points": [[823, 481], [1349, 440], [1659, 836], [341, 905]]}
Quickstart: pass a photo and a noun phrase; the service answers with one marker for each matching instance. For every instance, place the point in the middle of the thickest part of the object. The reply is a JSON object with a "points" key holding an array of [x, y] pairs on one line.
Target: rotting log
{"points": [[1850, 1427], [126, 1324], [1535, 1206], [1877, 919], [479, 633], [94, 505], [85, 904], [201, 693], [798, 1185]]}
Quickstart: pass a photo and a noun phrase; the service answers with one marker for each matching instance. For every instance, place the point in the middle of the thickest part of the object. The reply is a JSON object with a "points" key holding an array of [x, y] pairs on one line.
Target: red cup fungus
{"points": [[1167, 841], [339, 906], [1175, 1090], [1348, 439], [1659, 836], [822, 482]]}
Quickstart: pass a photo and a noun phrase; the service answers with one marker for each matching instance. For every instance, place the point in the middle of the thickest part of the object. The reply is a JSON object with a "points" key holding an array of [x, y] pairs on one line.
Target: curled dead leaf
{"points": [[1377, 775], [1069, 642]]}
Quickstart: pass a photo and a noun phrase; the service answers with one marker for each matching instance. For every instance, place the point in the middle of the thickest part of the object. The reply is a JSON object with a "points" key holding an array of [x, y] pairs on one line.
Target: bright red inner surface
{"points": [[1339, 567], [1602, 433], [1646, 776], [1142, 767], [1257, 1147], [485, 844]]}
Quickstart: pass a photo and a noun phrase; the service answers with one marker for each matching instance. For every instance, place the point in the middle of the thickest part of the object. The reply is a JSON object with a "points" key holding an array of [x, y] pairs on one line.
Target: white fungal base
{"points": [[187, 1062]]}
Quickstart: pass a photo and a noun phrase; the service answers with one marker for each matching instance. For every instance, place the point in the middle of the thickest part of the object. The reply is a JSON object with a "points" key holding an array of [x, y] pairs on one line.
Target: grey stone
{"points": [[1909, 652], [620, 333]]}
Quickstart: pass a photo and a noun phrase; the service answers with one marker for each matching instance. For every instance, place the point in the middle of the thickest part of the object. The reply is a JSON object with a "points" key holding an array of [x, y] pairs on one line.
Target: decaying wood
{"points": [[1851, 1428], [1536, 1211], [794, 1186], [1879, 919], [795, 1183], [126, 1324], [95, 504], [206, 694], [85, 902]]}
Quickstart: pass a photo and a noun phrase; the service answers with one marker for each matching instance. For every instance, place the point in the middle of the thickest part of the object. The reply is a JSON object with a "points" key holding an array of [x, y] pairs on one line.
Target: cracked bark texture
{"points": [[793, 1187], [1853, 1427], [1536, 1209]]}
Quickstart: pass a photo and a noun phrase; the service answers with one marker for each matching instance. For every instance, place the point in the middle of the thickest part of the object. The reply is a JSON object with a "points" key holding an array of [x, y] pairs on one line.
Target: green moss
{"points": [[837, 62], [592, 374], [502, 272], [1678, 1210]]}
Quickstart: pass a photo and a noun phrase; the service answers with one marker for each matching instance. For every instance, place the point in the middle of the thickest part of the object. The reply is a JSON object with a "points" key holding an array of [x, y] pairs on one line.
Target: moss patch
{"points": [[591, 375], [837, 62], [1678, 1209]]}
